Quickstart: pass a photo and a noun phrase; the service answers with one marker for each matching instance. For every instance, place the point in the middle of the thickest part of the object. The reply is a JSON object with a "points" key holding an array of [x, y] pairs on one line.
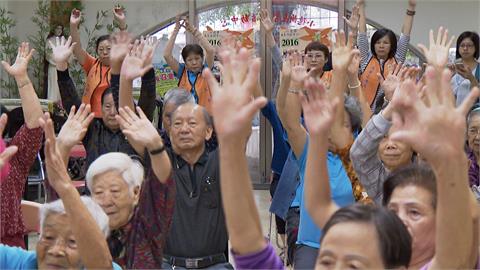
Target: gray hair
{"points": [[352, 107], [473, 113], [206, 116], [130, 169], [178, 96], [57, 207]]}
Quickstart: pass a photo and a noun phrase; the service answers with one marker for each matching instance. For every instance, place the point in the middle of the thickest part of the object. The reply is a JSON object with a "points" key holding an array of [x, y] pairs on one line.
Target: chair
{"points": [[37, 177], [31, 218]]}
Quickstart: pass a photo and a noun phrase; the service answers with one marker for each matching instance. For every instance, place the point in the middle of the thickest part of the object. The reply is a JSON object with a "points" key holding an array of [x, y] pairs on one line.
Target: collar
{"points": [[202, 160]]}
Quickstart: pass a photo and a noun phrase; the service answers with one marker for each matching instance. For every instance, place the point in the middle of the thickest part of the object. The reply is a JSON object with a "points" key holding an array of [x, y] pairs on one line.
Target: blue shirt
{"points": [[17, 258], [192, 78], [341, 191], [280, 146]]}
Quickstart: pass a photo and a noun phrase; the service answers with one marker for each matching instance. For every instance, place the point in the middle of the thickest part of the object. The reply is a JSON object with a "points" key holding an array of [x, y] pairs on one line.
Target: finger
{"points": [[51, 44], [29, 56], [7, 154], [6, 66], [132, 115], [86, 122], [380, 78], [248, 111], [141, 113], [72, 113], [350, 40], [439, 35], [211, 81], [468, 102], [423, 49], [445, 37], [252, 76], [450, 42], [431, 39], [69, 42], [3, 122], [81, 114], [123, 124], [397, 69], [49, 131], [446, 88]]}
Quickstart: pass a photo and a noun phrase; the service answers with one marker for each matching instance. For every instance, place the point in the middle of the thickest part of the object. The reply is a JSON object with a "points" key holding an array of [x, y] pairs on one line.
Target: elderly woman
{"points": [[473, 147], [73, 229], [139, 207]]}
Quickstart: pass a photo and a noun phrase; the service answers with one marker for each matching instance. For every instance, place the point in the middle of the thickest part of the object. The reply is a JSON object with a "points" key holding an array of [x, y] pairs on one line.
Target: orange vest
{"points": [[369, 78], [97, 81], [326, 79], [201, 89]]}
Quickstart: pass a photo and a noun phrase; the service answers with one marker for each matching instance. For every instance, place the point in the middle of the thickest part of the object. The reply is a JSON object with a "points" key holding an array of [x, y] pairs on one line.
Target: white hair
{"points": [[57, 207], [130, 169]]}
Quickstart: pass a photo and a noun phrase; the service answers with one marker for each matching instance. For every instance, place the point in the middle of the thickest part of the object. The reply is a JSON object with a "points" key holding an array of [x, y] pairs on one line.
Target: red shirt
{"points": [[28, 142]]}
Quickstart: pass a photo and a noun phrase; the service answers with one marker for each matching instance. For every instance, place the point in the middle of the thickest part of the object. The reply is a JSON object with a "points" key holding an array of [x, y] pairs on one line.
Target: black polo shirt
{"points": [[198, 228]]}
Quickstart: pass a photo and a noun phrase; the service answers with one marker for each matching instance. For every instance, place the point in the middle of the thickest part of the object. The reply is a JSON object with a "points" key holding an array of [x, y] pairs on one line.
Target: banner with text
{"points": [[298, 39]]}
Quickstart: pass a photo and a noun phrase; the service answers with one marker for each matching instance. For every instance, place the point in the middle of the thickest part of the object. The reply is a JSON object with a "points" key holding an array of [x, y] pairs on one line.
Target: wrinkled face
{"points": [[189, 129], [315, 59], [413, 205], [394, 154], [467, 48], [58, 30], [345, 247], [111, 192], [382, 47], [167, 115], [103, 52], [108, 113], [473, 134], [57, 248], [194, 62]]}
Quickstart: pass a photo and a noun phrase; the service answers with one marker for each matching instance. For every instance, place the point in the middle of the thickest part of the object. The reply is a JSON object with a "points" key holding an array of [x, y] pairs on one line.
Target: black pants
{"points": [[280, 223]]}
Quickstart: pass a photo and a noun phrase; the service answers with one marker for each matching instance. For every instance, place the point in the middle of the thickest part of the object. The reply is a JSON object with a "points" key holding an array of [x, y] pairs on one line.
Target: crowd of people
{"points": [[375, 163]]}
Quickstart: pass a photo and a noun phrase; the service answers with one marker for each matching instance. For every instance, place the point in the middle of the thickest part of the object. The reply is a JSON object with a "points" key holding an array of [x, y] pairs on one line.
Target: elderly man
{"points": [[198, 237]]}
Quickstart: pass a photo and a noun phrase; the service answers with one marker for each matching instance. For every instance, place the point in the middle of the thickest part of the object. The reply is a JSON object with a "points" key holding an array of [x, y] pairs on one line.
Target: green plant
{"points": [[8, 51], [38, 41]]}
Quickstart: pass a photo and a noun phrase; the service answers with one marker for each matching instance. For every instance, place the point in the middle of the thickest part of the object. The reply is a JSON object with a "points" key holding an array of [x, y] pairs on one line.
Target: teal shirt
{"points": [[17, 258], [341, 191]]}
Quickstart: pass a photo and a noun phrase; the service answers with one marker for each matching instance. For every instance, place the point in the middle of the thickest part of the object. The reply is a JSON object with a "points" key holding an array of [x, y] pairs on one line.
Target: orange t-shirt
{"points": [[97, 81]]}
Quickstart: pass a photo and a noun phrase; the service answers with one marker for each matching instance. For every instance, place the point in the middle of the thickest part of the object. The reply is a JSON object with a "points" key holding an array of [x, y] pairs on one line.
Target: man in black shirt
{"points": [[198, 236]]}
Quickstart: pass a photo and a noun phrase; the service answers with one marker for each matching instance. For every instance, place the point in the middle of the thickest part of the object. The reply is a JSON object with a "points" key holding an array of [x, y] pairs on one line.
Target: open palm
{"points": [[232, 104], [120, 46], [76, 126], [437, 53], [342, 53], [138, 129], [318, 110], [62, 49], [134, 65], [19, 68]]}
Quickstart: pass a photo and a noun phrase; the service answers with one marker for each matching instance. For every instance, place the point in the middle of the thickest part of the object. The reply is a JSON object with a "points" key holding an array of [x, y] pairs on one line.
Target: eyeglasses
{"points": [[473, 131], [466, 46]]}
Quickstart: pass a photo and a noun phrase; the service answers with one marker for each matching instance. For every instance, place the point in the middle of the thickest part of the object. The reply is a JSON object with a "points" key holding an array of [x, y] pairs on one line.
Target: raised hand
{"points": [[393, 80], [178, 23], [233, 107], [119, 15], [188, 26], [354, 66], [437, 53], [120, 47], [62, 49], [298, 68], [343, 52], [354, 18], [19, 68], [75, 17], [75, 127], [10, 151], [137, 128], [150, 43], [424, 126], [58, 177], [136, 64], [318, 110], [265, 20]]}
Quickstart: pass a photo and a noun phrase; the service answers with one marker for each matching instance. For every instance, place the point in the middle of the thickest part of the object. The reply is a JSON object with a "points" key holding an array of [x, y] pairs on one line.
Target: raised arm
{"points": [[319, 113], [233, 110], [362, 20], [355, 89], [92, 246], [352, 23], [288, 103], [209, 49], [78, 51], [268, 25], [61, 51], [167, 53], [342, 56], [136, 64], [142, 135], [32, 110], [148, 90], [120, 18], [408, 20], [423, 127]]}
